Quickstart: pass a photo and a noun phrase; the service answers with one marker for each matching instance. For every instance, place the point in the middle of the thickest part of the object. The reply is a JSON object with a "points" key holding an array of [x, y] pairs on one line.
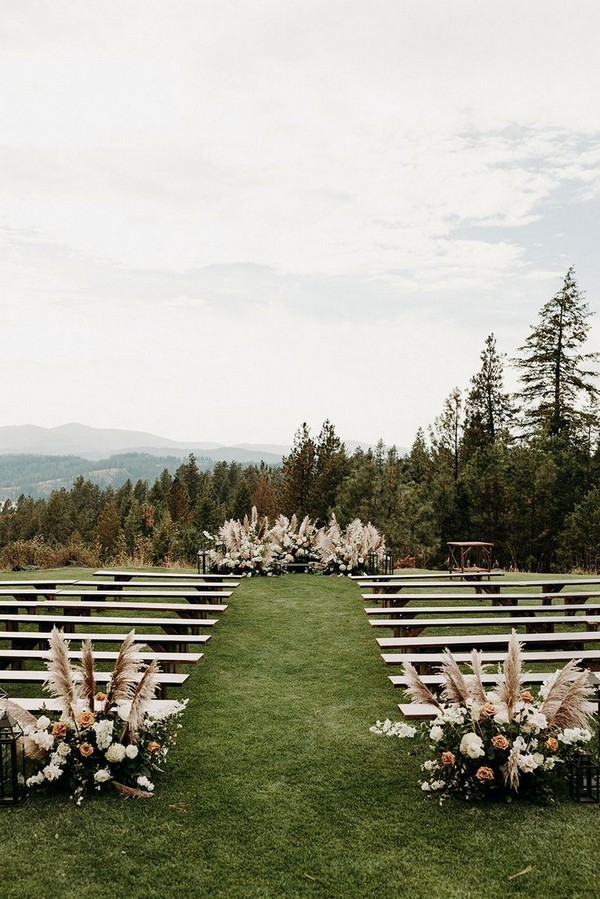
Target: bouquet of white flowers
{"points": [[500, 741], [98, 739]]}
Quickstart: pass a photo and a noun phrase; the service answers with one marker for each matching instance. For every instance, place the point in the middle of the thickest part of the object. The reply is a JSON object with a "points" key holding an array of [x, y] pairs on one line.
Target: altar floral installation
{"points": [[499, 742], [252, 547], [100, 740]]}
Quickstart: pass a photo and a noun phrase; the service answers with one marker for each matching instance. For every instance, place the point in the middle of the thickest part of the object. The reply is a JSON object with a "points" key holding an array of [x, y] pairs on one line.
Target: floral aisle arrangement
{"points": [[100, 740], [294, 543], [502, 741], [345, 551], [244, 547]]}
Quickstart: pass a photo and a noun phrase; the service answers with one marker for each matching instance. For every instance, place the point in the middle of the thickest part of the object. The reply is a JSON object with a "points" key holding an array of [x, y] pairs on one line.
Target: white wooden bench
{"points": [[545, 585], [543, 624], [165, 575], [69, 622], [35, 637], [157, 707], [574, 597], [10, 676], [425, 661], [191, 596], [189, 611], [483, 641], [457, 611], [168, 660]]}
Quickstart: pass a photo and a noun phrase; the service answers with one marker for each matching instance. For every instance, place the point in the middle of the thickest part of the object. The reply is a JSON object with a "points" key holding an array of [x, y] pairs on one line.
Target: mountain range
{"points": [[34, 461]]}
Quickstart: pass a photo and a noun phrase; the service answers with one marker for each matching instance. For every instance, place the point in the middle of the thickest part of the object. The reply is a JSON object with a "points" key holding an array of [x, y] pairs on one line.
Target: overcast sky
{"points": [[221, 219]]}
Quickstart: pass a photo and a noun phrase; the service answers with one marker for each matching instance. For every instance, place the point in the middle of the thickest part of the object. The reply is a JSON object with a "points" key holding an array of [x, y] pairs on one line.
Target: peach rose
{"points": [[484, 774], [86, 750], [59, 729], [500, 742], [448, 759], [100, 697], [153, 746], [488, 709], [526, 696], [552, 744], [86, 719]]}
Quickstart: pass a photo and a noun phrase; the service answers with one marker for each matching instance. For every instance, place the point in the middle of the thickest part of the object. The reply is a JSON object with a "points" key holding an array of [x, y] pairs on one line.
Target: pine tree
{"points": [[554, 369], [299, 472], [488, 408]]}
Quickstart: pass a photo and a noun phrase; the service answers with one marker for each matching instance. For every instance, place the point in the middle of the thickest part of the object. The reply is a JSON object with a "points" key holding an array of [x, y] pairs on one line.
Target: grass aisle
{"points": [[277, 788]]}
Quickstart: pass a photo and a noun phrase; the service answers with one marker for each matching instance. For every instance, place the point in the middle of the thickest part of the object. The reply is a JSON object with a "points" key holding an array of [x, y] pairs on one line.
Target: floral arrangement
{"points": [[244, 547], [100, 740], [294, 543], [502, 741], [345, 551]]}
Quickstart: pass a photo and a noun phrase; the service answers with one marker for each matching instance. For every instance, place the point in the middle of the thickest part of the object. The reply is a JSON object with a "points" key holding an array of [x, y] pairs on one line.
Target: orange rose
{"points": [[500, 742], [100, 697], [153, 746], [59, 729], [526, 696], [484, 774], [488, 709], [448, 759], [552, 744], [86, 719], [86, 750]]}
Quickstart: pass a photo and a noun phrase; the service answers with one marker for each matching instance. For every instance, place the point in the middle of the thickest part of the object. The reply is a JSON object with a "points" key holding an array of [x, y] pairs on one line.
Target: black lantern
{"points": [[584, 778], [13, 789]]}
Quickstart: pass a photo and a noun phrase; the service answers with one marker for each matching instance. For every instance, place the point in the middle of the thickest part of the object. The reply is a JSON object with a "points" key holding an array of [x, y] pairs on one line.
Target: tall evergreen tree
{"points": [[555, 371], [488, 408]]}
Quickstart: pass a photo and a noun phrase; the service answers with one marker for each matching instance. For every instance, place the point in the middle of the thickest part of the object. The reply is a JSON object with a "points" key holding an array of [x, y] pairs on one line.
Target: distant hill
{"points": [[99, 443], [38, 476]]}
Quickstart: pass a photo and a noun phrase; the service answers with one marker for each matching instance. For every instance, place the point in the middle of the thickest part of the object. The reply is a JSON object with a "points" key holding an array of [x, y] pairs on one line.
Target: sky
{"points": [[221, 219]]}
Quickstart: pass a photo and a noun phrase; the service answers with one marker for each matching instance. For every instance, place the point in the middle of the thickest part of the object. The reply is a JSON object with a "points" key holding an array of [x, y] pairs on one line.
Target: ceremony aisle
{"points": [[277, 788]]}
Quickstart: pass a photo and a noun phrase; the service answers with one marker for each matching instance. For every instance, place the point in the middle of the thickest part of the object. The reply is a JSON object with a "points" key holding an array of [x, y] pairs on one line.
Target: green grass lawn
{"points": [[277, 788]]}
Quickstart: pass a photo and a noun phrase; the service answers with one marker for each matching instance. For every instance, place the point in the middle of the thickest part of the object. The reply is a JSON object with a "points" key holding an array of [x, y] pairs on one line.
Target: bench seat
{"points": [[67, 622], [482, 641], [532, 623], [424, 661], [183, 609], [39, 676], [157, 707]]}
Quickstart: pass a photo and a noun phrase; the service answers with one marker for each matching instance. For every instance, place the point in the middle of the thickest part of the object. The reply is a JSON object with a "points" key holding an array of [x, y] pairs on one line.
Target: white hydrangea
{"points": [[572, 735], [115, 753], [102, 775], [131, 751], [104, 732], [144, 783]]}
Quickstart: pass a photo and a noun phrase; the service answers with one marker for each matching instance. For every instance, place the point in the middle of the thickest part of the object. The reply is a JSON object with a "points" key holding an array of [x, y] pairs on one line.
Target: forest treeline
{"points": [[521, 470]]}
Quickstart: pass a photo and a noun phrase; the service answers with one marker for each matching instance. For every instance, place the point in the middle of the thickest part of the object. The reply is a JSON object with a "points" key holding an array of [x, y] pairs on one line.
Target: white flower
{"points": [[425, 786], [144, 783], [429, 765], [43, 739], [115, 752], [534, 722], [437, 785], [527, 763], [63, 749], [472, 745], [124, 709], [102, 775], [43, 722], [436, 733], [131, 751], [104, 731], [35, 779], [575, 735], [52, 772], [502, 716]]}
